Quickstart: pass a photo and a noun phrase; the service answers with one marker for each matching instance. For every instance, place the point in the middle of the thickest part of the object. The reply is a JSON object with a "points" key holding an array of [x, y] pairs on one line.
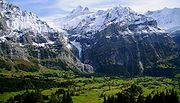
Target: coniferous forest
{"points": [[37, 97], [133, 95]]}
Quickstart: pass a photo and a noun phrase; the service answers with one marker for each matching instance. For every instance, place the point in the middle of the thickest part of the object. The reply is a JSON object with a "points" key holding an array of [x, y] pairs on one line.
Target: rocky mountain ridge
{"points": [[23, 36], [167, 19], [118, 40]]}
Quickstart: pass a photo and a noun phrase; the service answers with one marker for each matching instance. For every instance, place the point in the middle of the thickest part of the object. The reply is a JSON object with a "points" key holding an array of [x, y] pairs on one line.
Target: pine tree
{"points": [[173, 97], [119, 98], [131, 99], [148, 99], [54, 99], [105, 99], [38, 96], [140, 99], [68, 98], [10, 100], [162, 97], [64, 98]]}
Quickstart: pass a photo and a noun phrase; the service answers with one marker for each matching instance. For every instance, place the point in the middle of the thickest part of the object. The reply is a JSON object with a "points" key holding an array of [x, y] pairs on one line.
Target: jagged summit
{"points": [[2, 1], [86, 9], [19, 20], [167, 18], [26, 36], [116, 38], [97, 21], [79, 11]]}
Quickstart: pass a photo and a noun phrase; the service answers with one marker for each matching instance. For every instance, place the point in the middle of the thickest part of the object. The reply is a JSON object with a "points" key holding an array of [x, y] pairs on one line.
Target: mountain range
{"points": [[28, 43], [167, 19], [117, 41]]}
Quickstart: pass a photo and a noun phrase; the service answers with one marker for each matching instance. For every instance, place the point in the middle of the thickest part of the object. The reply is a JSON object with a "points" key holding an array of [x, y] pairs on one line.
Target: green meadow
{"points": [[89, 89]]}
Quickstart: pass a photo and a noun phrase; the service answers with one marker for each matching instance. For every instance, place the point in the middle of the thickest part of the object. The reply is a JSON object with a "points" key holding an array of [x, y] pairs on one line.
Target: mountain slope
{"points": [[166, 18], [25, 38], [118, 41]]}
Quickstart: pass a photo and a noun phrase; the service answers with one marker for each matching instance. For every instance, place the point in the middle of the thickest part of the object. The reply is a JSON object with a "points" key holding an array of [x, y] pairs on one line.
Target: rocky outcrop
{"points": [[24, 37], [120, 54], [119, 41]]}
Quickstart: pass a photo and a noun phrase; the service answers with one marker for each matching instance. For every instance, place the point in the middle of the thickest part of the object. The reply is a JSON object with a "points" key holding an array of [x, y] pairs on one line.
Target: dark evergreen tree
{"points": [[67, 98], [54, 99], [173, 97], [148, 99], [131, 99], [10, 100], [155, 98], [105, 99], [162, 98], [33, 97], [140, 99], [125, 97], [119, 97], [64, 98], [38, 96], [18, 98]]}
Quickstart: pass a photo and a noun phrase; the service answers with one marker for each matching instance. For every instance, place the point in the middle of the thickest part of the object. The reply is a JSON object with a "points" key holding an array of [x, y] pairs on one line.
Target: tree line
{"points": [[37, 97], [134, 95]]}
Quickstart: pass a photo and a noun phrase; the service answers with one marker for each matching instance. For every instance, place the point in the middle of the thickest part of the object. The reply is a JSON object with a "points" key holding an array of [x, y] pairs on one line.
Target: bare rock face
{"points": [[127, 54], [24, 37], [167, 18], [118, 41]]}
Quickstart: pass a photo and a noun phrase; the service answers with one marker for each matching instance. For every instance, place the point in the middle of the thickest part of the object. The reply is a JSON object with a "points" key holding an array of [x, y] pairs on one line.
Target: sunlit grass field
{"points": [[91, 90]]}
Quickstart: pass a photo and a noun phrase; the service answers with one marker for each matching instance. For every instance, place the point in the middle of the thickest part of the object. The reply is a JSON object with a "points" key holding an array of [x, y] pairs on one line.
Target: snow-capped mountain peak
{"points": [[19, 20], [2, 1], [82, 25], [167, 18], [79, 11], [19, 23], [86, 9], [114, 36], [97, 21]]}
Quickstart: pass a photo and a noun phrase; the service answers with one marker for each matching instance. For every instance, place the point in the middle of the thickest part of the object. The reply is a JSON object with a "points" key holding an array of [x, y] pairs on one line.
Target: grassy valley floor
{"points": [[83, 89]]}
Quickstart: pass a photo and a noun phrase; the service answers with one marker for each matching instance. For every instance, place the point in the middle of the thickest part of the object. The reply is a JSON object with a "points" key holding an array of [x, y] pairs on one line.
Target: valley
{"points": [[84, 89], [113, 55]]}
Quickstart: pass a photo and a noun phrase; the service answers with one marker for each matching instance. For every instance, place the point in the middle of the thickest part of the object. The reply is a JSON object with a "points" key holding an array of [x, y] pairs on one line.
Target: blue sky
{"points": [[46, 8]]}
